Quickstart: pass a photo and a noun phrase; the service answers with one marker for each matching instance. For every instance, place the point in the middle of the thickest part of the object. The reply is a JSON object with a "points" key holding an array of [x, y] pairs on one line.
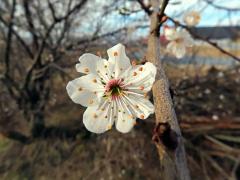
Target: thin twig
{"points": [[9, 39]]}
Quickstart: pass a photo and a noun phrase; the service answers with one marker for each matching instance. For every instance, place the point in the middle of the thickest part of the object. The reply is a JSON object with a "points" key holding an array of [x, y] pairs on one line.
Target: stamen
{"points": [[134, 63], [141, 88], [146, 95], [131, 92], [115, 54], [86, 70], [91, 101], [99, 53], [142, 116], [109, 127]]}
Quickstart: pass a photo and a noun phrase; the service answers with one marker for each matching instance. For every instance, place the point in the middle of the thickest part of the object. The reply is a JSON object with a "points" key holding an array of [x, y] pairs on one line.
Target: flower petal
{"points": [[98, 119], [125, 119], [139, 106], [187, 38], [177, 49], [117, 56], [86, 90], [87, 63], [140, 78], [104, 70], [170, 33], [180, 50], [192, 18]]}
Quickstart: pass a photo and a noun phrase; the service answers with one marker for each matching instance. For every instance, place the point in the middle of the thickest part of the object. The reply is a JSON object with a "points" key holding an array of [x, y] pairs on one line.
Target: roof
{"points": [[223, 32]]}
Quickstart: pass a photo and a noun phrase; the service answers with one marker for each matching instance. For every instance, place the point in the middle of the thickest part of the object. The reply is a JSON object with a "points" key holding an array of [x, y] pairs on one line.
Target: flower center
{"points": [[114, 88]]}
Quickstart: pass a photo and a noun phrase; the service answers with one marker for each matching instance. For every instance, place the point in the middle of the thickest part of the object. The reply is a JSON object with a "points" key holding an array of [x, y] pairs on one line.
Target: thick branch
{"points": [[173, 164], [145, 7], [31, 27]]}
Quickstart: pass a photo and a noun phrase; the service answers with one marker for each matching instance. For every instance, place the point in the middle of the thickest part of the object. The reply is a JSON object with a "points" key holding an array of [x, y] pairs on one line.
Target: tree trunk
{"points": [[37, 124], [173, 162]]}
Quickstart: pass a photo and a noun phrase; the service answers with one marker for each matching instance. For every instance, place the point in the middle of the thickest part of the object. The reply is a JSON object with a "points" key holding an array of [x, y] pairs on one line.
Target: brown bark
{"points": [[173, 163]]}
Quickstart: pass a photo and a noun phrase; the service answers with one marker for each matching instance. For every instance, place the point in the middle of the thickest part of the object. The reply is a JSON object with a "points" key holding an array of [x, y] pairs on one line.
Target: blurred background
{"points": [[41, 130]]}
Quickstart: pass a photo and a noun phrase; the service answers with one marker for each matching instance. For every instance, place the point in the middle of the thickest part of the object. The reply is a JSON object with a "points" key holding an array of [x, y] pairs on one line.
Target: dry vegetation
{"points": [[207, 106]]}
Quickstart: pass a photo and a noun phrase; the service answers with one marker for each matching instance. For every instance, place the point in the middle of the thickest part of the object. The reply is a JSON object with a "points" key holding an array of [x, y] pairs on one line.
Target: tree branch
{"points": [[173, 160], [9, 39], [210, 2], [28, 16], [21, 41], [145, 7], [196, 36]]}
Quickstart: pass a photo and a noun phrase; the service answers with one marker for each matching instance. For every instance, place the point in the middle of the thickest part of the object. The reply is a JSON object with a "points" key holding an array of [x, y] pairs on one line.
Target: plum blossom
{"points": [[113, 90], [179, 40], [192, 18]]}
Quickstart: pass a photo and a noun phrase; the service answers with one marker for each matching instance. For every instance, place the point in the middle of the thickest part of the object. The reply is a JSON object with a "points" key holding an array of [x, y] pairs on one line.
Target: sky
{"points": [[210, 16]]}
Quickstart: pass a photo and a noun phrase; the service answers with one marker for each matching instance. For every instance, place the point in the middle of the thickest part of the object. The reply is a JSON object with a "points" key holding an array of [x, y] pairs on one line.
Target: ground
{"points": [[207, 97]]}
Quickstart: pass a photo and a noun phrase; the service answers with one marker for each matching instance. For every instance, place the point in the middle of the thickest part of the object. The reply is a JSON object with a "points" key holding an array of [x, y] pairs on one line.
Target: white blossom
{"points": [[179, 40], [113, 90], [192, 18]]}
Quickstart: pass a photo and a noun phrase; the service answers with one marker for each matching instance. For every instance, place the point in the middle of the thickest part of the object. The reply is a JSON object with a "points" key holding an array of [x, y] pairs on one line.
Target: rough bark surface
{"points": [[173, 163]]}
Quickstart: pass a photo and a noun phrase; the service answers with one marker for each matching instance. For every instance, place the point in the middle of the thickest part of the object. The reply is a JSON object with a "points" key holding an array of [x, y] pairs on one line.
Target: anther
{"points": [[86, 70]]}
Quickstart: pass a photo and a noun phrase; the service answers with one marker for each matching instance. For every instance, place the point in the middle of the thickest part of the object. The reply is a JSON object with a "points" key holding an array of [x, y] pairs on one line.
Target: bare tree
{"points": [[43, 30]]}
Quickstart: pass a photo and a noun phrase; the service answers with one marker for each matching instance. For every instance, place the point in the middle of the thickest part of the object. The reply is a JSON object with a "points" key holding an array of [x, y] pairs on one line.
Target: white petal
{"points": [[192, 18], [140, 106], [117, 56], [125, 119], [85, 90], [87, 63], [187, 38], [140, 78], [170, 33], [180, 50], [98, 119], [105, 70], [171, 46]]}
